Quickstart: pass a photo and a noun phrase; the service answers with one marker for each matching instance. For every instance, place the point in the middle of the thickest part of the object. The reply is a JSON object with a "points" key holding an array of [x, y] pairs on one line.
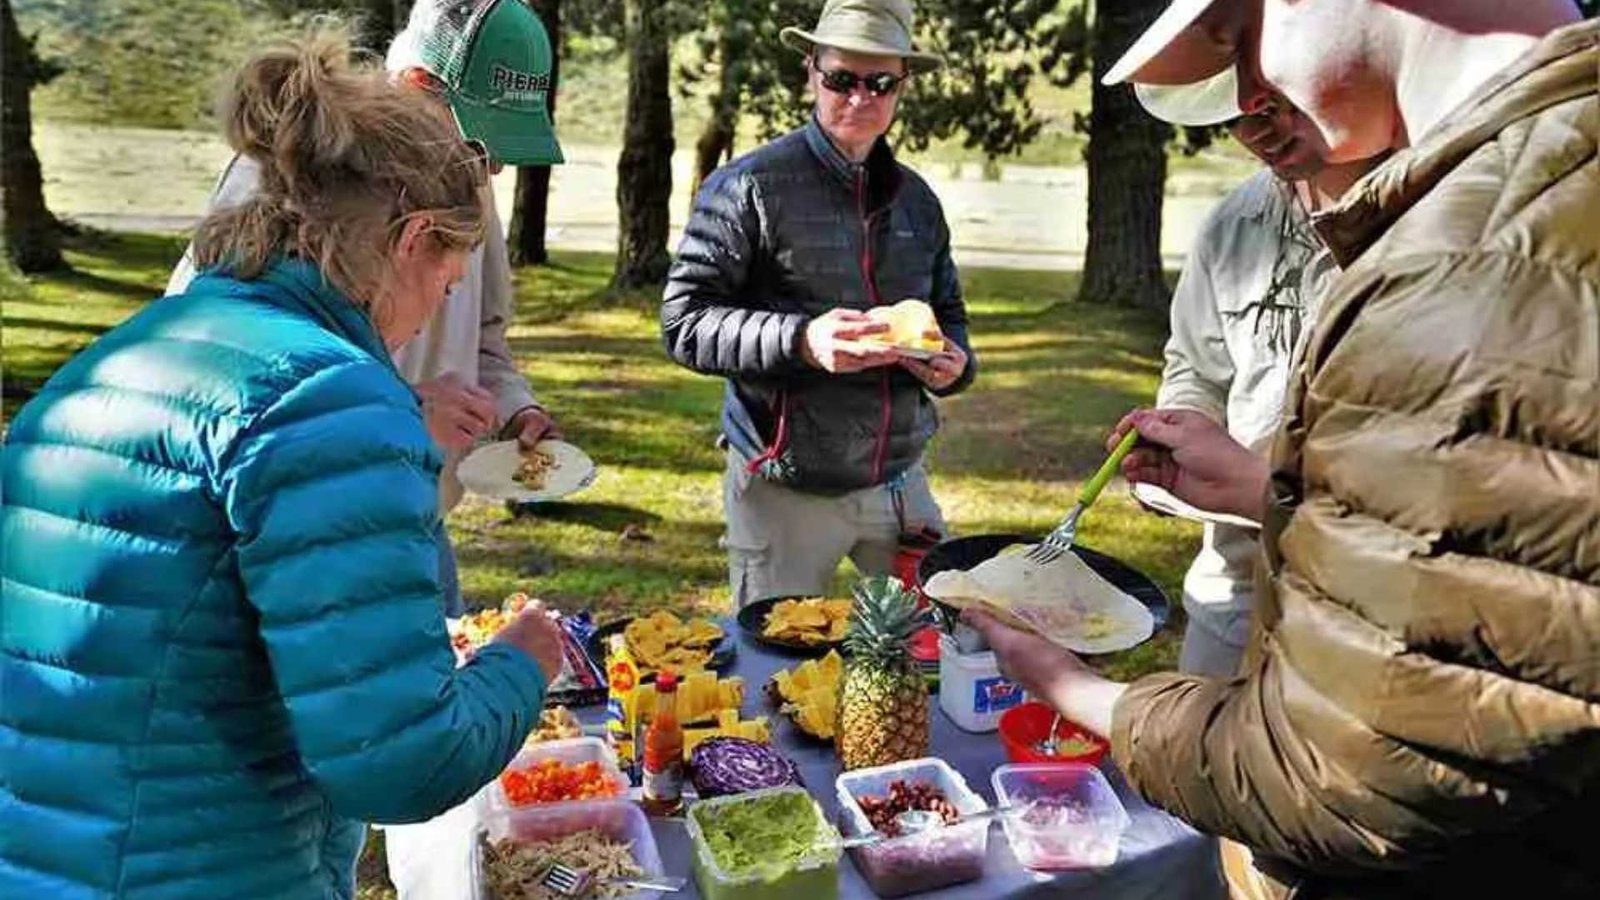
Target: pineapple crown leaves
{"points": [[882, 622]]}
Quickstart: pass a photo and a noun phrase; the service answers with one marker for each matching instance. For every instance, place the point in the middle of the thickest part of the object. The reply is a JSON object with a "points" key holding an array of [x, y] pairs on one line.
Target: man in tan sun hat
{"points": [[1418, 714], [786, 251]]}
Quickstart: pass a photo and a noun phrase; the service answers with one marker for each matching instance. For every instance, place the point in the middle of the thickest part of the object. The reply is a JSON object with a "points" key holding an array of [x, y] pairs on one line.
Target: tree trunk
{"points": [[644, 172], [715, 144], [1127, 173], [530, 212], [32, 236]]}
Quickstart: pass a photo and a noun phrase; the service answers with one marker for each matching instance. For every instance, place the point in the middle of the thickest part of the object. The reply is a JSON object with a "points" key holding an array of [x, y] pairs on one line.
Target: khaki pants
{"points": [[785, 543]]}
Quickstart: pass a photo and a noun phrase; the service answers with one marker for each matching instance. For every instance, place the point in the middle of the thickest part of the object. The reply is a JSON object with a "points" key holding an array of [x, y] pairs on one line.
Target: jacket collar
{"points": [[299, 287], [882, 171], [1559, 68]]}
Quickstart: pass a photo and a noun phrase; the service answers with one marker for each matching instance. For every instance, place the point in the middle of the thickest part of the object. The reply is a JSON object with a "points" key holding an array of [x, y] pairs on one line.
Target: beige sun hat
{"points": [[1177, 74], [876, 27]]}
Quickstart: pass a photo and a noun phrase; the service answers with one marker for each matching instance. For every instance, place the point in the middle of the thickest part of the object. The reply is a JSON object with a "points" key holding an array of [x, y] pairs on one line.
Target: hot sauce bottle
{"points": [[663, 752]]}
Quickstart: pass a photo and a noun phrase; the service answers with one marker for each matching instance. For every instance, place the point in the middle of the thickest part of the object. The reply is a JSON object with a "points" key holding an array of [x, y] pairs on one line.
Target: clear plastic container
{"points": [[918, 862], [1075, 820], [814, 876], [972, 692], [574, 751], [618, 820]]}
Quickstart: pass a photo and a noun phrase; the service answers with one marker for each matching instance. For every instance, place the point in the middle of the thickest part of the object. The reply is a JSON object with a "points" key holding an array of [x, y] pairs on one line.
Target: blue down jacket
{"points": [[221, 642]]}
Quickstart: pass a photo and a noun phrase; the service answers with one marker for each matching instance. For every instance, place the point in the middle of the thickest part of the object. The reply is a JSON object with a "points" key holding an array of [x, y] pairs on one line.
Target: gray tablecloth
{"points": [[1160, 857]]}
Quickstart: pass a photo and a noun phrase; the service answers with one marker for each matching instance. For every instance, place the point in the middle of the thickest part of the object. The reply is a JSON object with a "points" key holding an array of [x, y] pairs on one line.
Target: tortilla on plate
{"points": [[1063, 601]]}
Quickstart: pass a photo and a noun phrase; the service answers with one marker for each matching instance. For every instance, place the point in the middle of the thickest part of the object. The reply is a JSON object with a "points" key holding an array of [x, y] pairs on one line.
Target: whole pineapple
{"points": [[883, 698]]}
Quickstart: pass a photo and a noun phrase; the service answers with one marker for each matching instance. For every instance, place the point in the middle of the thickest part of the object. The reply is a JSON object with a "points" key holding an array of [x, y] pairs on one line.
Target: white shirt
{"points": [[1244, 302], [467, 335]]}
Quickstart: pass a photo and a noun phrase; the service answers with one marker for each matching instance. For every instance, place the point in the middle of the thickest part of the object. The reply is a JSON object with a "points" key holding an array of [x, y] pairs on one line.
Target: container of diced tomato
{"points": [[559, 772]]}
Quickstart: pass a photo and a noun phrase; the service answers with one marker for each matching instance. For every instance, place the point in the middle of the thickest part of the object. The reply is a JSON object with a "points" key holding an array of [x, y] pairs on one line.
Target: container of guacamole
{"points": [[773, 844]]}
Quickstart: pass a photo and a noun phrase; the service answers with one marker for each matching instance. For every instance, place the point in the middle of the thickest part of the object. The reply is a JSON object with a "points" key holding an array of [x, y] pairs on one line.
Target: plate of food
{"points": [[809, 695], [505, 470], [1083, 601], [806, 625], [662, 640], [910, 322]]}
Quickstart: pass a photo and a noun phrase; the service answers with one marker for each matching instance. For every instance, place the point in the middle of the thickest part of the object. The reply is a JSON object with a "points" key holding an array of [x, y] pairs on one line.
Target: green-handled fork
{"points": [[1060, 540]]}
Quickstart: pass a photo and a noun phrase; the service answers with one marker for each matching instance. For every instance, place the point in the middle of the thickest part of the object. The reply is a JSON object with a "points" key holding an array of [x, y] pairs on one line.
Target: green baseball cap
{"points": [[494, 58]]}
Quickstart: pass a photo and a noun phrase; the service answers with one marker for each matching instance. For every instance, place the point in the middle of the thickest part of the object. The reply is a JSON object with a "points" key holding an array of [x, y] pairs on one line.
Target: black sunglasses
{"points": [[843, 81]]}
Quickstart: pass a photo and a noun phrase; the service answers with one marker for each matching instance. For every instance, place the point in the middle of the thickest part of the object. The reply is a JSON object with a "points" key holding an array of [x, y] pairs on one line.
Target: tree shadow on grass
{"points": [[89, 328], [610, 517], [125, 290]]}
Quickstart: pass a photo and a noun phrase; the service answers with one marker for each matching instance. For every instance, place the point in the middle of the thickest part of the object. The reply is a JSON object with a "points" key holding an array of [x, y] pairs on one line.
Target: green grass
{"points": [[1055, 376], [44, 321]]}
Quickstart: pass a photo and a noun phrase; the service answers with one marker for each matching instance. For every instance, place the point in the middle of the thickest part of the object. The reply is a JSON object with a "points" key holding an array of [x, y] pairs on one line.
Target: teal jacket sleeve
{"points": [[332, 493]]}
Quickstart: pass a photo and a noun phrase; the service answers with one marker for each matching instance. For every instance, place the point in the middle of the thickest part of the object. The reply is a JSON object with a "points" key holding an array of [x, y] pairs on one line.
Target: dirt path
{"points": [[1031, 217]]}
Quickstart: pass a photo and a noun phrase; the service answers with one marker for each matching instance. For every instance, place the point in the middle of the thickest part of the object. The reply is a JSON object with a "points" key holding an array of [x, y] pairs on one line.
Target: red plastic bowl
{"points": [[1023, 727]]}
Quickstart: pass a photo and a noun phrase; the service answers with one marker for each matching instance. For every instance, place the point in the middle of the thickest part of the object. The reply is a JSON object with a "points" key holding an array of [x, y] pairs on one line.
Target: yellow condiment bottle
{"points": [[622, 714]]}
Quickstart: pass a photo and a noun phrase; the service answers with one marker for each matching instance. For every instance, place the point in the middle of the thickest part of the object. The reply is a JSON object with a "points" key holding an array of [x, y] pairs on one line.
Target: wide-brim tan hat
{"points": [[1177, 74], [874, 27]]}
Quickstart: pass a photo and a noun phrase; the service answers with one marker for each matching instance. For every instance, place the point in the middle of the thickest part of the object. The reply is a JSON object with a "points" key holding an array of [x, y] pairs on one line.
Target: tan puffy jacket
{"points": [[1419, 713]]}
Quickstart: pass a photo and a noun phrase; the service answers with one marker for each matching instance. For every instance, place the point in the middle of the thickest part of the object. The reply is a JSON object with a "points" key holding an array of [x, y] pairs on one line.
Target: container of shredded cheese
{"points": [[610, 838]]}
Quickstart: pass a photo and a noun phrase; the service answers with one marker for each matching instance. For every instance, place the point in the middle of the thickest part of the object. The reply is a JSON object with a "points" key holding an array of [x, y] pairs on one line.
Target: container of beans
{"points": [[872, 799]]}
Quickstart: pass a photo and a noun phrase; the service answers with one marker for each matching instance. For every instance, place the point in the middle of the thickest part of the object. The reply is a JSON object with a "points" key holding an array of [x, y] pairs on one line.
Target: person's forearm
{"points": [[1089, 702]]}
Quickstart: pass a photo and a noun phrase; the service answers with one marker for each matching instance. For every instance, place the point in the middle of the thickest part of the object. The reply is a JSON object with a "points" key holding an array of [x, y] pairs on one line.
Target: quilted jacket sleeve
{"points": [[1424, 669], [332, 493], [951, 311], [705, 321]]}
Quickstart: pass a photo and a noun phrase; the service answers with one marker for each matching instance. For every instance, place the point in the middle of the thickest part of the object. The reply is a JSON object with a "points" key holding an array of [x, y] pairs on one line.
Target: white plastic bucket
{"points": [[972, 692]]}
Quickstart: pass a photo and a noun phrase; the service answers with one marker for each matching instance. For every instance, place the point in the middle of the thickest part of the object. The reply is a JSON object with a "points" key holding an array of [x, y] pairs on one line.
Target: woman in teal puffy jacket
{"points": [[221, 642]]}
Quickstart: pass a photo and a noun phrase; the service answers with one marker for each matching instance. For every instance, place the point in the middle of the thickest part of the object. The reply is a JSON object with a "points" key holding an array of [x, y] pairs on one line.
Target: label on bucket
{"points": [[993, 695]]}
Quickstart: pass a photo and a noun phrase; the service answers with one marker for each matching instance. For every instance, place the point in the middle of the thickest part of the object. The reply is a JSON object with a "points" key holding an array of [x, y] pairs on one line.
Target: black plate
{"points": [[753, 620], [722, 655], [964, 553]]}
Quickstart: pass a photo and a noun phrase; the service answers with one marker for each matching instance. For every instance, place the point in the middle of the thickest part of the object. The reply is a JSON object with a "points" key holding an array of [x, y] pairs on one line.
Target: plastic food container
{"points": [[972, 691], [1075, 822], [619, 820], [1024, 727], [574, 751], [918, 862], [813, 877]]}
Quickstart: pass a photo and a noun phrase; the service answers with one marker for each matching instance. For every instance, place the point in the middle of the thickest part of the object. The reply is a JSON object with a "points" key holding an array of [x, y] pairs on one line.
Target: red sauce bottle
{"points": [[663, 752]]}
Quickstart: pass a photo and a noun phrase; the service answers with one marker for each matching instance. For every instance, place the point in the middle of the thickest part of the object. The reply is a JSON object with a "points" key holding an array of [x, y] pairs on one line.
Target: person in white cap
{"points": [[1245, 298], [490, 62], [1418, 713], [787, 250]]}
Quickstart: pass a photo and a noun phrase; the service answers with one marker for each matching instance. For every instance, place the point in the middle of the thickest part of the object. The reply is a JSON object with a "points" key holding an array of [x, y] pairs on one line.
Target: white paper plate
{"points": [[1159, 499], [489, 471]]}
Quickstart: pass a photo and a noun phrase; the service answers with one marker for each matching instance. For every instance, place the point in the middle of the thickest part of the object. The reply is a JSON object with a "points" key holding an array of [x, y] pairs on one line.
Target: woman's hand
{"points": [[536, 632], [457, 413]]}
